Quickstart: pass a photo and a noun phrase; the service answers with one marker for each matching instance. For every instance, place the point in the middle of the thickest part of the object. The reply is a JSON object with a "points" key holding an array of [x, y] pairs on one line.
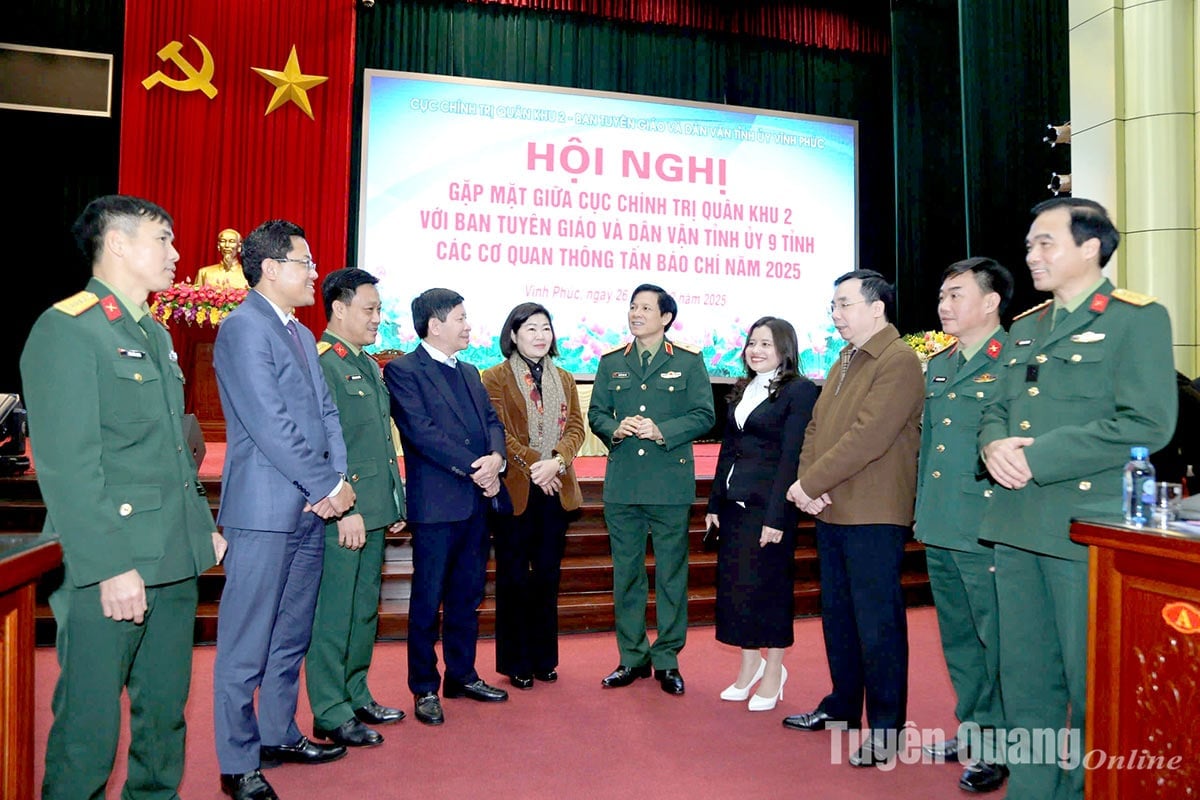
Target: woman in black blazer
{"points": [[768, 412]]}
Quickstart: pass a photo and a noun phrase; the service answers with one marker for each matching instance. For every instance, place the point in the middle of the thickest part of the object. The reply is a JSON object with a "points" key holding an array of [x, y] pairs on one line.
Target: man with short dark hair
{"points": [[651, 400], [951, 497], [285, 465], [453, 456], [1090, 375], [104, 394], [857, 476], [347, 613]]}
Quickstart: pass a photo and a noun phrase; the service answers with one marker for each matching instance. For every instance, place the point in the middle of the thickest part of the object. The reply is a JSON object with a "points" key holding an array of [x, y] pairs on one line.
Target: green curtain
{"points": [[1015, 81], [572, 50]]}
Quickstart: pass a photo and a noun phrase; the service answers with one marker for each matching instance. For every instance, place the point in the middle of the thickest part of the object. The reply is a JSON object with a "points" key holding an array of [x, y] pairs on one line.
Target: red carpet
{"points": [[573, 739]]}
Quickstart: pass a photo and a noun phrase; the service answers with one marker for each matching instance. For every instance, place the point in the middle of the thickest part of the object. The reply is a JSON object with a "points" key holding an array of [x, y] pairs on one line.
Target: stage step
{"points": [[585, 597]]}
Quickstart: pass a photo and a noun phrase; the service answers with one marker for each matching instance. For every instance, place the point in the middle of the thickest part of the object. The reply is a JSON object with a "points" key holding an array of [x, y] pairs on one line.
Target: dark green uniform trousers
{"points": [[1043, 603], [667, 528], [964, 594], [99, 658], [344, 627]]}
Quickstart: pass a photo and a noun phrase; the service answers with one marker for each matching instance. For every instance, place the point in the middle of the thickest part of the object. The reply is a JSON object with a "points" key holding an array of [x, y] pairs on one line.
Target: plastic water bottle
{"points": [[1139, 487]]}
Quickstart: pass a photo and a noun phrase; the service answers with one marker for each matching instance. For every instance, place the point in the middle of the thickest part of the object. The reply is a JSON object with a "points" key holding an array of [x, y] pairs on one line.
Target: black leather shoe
{"points": [[350, 733], [248, 786], [670, 680], [549, 676], [877, 749], [521, 681], [476, 690], [302, 752], [623, 676], [946, 751], [374, 714], [983, 777], [429, 709], [813, 721]]}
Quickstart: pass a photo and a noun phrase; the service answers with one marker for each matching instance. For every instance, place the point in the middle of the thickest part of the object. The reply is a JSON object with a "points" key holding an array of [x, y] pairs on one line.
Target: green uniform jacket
{"points": [[363, 408], [952, 486], [1103, 381], [676, 394], [118, 479]]}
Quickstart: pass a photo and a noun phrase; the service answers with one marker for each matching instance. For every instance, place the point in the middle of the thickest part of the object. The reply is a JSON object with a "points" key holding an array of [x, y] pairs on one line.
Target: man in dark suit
{"points": [[105, 398], [453, 454], [951, 498], [347, 615], [285, 464]]}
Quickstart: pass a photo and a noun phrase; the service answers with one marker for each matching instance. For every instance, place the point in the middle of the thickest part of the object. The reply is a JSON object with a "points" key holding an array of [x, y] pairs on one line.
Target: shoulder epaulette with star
{"points": [[686, 347], [946, 351], [78, 303], [618, 348], [1133, 298], [323, 348], [1038, 307]]}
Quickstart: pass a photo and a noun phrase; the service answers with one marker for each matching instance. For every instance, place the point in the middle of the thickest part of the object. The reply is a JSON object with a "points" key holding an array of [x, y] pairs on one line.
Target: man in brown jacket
{"points": [[858, 476]]}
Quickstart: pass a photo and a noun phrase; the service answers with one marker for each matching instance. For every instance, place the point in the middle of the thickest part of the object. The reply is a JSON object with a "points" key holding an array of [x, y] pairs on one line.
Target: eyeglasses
{"points": [[307, 262], [843, 305]]}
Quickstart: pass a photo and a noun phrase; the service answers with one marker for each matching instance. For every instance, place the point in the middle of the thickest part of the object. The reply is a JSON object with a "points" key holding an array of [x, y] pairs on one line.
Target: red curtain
{"points": [[223, 162], [789, 22]]}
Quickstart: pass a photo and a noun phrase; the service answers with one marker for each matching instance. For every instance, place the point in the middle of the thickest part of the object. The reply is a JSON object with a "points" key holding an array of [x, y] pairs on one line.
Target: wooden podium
{"points": [[1143, 661], [23, 559], [194, 344]]}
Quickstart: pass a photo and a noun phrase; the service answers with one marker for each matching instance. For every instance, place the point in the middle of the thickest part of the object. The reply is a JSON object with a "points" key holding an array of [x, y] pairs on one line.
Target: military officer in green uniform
{"points": [[1088, 374], [651, 399], [951, 496], [347, 613], [104, 393]]}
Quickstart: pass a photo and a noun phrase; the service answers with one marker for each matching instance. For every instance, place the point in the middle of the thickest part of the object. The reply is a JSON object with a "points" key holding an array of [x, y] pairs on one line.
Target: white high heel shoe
{"points": [[732, 692], [760, 703]]}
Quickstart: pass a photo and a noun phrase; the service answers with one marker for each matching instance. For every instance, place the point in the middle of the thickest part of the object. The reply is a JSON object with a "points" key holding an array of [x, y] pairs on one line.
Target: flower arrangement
{"points": [[195, 305], [928, 344]]}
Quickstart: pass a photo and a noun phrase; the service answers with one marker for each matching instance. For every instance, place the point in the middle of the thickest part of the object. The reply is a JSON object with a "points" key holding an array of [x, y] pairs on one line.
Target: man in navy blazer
{"points": [[453, 455], [285, 461]]}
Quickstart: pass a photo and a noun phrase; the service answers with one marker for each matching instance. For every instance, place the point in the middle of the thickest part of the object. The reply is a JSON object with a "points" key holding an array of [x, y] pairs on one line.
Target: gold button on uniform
{"points": [[125, 510], [1085, 486], [641, 452], [360, 393], [1034, 391], [941, 448], [937, 473], [641, 408], [1024, 425], [1075, 359], [979, 395], [137, 376], [1010, 363], [1041, 358], [670, 388], [643, 387], [946, 421], [952, 395], [987, 492]]}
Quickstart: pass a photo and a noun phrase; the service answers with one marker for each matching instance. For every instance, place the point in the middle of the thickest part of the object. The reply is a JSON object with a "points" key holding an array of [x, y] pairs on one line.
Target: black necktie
{"points": [[645, 360], [962, 359], [1060, 314], [295, 337]]}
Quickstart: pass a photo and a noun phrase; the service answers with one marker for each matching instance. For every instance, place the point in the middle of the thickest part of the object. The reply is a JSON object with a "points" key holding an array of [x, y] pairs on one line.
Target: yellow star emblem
{"points": [[290, 85]]}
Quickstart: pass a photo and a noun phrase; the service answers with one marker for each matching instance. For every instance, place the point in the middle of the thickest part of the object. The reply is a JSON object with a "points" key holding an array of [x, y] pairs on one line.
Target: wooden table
{"points": [[1143, 661], [23, 559]]}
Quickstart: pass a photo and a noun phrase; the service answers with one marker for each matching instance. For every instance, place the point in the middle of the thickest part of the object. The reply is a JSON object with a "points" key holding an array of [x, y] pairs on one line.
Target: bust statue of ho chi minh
{"points": [[228, 273]]}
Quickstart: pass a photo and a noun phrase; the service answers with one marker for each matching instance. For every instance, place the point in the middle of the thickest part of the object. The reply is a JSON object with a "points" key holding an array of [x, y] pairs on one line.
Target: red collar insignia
{"points": [[993, 349], [667, 346], [340, 349], [1099, 303], [111, 309]]}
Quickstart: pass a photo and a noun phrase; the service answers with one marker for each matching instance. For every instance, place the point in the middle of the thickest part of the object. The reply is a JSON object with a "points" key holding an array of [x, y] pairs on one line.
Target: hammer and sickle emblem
{"points": [[196, 78]]}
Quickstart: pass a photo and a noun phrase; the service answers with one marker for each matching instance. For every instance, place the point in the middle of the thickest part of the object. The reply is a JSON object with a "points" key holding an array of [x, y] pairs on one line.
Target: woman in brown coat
{"points": [[543, 429]]}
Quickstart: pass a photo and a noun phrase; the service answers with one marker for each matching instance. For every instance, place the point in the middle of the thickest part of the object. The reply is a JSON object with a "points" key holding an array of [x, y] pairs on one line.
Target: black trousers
{"points": [[529, 551], [863, 618]]}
